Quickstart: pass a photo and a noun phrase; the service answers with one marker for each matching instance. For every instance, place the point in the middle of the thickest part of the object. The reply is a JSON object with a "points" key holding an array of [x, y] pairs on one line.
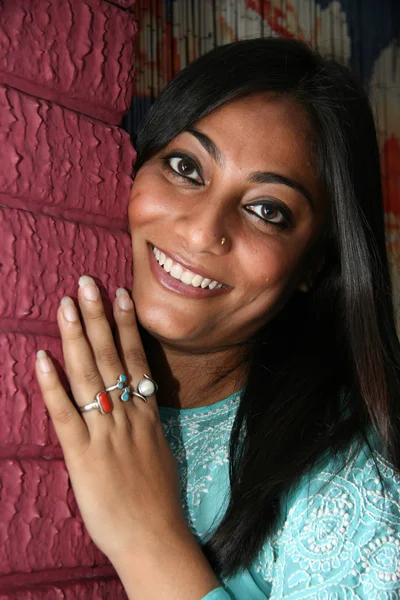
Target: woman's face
{"points": [[243, 174]]}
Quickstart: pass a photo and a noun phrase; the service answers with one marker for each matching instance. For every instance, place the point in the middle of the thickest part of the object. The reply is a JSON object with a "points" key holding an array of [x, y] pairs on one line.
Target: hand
{"points": [[122, 470]]}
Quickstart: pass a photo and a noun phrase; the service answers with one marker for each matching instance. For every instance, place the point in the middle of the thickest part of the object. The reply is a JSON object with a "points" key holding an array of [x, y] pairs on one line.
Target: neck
{"points": [[193, 380]]}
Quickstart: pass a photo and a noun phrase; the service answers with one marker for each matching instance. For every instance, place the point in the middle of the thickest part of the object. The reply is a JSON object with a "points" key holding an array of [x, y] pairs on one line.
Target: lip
{"points": [[169, 282]]}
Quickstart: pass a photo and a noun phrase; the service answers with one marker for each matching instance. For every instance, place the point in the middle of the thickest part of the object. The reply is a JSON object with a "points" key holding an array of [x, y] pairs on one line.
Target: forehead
{"points": [[262, 116], [264, 131]]}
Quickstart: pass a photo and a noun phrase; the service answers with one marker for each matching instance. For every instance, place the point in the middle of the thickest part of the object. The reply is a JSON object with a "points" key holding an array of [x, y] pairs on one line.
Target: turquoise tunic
{"points": [[339, 538]]}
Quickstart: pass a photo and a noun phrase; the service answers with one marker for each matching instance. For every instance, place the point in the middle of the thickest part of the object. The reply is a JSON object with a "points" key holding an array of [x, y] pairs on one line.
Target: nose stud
{"points": [[223, 240]]}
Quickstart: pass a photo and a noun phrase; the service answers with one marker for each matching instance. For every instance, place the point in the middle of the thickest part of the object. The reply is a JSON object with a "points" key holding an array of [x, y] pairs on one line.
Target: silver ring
{"points": [[139, 396], [89, 407], [147, 387], [121, 385], [102, 404]]}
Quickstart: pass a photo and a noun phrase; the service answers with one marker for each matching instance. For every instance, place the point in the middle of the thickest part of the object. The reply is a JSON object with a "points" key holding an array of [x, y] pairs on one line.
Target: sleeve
{"points": [[217, 594], [341, 538]]}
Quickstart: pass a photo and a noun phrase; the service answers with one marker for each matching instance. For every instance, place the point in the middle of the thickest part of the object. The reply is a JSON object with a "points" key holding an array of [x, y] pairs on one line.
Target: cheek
{"points": [[269, 275], [265, 266], [133, 213], [139, 207], [149, 203]]}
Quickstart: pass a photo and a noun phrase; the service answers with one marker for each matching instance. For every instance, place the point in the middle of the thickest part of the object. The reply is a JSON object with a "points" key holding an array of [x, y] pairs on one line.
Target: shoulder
{"points": [[341, 531]]}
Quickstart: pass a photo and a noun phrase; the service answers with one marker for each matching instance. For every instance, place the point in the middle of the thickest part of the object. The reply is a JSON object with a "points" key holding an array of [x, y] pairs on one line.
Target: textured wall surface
{"points": [[59, 162], [75, 52], [65, 176]]}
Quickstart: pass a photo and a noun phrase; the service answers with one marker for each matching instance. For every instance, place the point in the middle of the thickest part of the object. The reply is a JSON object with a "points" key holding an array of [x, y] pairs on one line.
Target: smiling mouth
{"points": [[184, 275]]}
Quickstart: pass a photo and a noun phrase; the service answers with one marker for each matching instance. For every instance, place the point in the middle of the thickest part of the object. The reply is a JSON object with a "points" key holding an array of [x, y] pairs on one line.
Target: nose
{"points": [[204, 228]]}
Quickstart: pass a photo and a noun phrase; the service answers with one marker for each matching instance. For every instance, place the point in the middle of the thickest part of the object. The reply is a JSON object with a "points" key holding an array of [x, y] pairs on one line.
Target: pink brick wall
{"points": [[75, 52], [65, 175]]}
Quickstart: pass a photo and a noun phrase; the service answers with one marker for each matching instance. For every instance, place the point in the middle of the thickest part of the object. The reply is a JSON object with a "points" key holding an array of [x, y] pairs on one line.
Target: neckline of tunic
{"points": [[203, 411]]}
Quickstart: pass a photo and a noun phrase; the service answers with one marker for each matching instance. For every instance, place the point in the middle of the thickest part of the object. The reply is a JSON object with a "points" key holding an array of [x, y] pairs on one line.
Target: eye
{"points": [[185, 167], [271, 213]]}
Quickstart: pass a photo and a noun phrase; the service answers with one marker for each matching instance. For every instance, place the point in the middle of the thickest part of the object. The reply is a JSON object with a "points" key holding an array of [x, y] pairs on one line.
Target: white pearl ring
{"points": [[146, 387]]}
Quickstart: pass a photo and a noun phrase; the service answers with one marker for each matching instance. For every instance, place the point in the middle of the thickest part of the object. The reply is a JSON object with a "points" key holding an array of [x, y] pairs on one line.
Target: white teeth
{"points": [[196, 281], [176, 272], [168, 264], [187, 277]]}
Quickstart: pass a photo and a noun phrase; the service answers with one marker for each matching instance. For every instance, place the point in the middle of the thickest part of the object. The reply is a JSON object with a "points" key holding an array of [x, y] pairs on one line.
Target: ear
{"points": [[306, 284]]}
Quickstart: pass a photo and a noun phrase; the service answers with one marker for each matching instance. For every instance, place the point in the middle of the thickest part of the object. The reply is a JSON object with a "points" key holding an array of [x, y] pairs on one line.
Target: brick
{"points": [[42, 260], [78, 53], [26, 429], [87, 590], [41, 527], [24, 587], [56, 161]]}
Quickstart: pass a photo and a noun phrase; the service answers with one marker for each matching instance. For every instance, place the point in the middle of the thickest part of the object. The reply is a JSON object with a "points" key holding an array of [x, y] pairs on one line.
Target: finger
{"points": [[70, 428], [84, 376], [100, 338], [131, 347]]}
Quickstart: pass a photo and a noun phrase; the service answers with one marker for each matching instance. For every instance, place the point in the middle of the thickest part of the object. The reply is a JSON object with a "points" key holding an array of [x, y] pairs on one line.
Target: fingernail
{"points": [[123, 300], [44, 363], [89, 289], [69, 309]]}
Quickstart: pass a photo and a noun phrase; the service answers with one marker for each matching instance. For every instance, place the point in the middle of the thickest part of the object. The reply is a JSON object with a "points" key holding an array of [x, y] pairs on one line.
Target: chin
{"points": [[167, 326]]}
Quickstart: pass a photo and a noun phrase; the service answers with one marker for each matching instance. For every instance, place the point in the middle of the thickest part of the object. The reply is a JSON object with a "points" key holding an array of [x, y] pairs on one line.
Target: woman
{"points": [[262, 290]]}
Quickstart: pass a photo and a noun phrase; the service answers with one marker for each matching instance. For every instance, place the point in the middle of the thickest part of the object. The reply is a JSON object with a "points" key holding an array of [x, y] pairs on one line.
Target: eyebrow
{"points": [[208, 145], [268, 177], [257, 176]]}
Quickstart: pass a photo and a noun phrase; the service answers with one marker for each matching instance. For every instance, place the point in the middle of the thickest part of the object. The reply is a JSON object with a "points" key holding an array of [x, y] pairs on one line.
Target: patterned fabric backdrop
{"points": [[365, 34]]}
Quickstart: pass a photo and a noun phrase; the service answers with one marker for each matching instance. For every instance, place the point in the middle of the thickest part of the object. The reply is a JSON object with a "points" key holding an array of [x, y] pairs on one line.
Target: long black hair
{"points": [[326, 369]]}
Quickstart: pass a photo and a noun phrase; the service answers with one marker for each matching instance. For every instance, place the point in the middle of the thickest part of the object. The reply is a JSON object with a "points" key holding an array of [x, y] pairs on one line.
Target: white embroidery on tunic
{"points": [[201, 449], [341, 536]]}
